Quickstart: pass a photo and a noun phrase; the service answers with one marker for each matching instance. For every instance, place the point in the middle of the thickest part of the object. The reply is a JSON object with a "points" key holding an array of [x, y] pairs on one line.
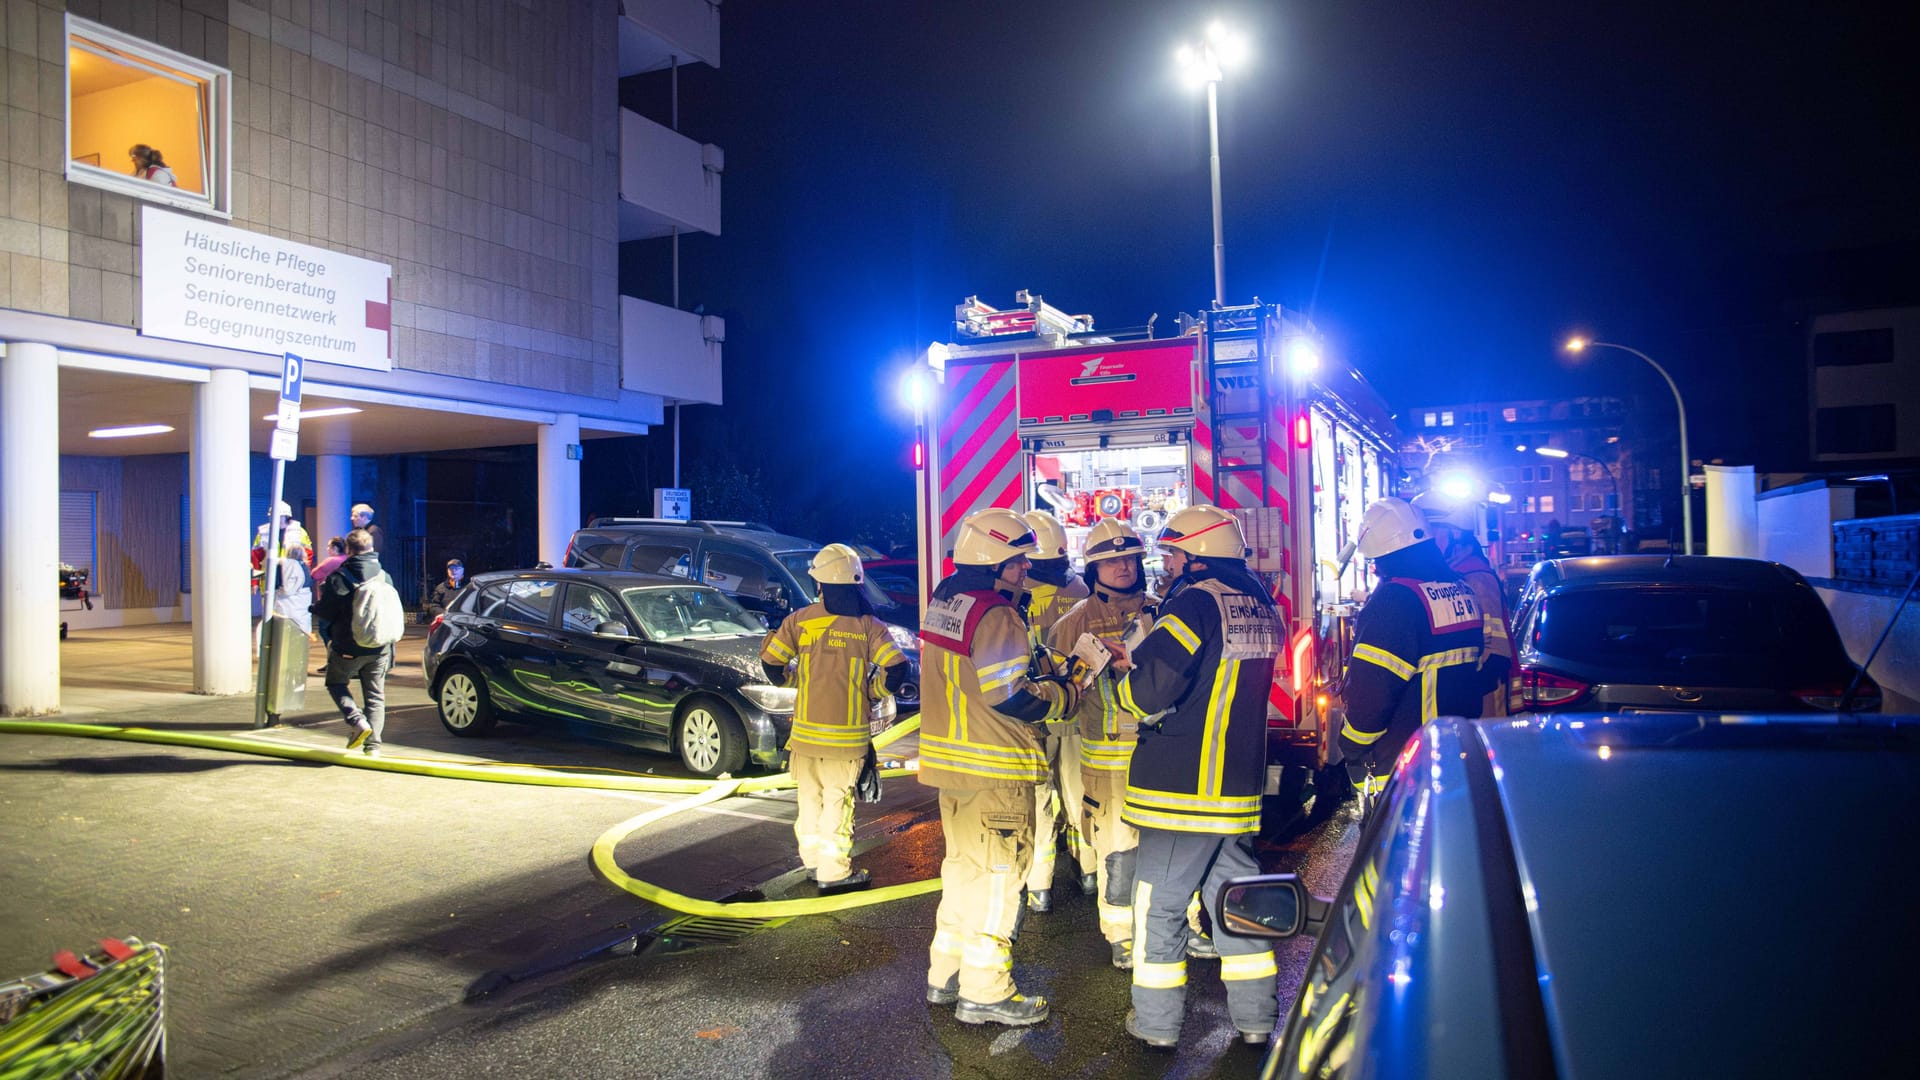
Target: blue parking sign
{"points": [[291, 376]]}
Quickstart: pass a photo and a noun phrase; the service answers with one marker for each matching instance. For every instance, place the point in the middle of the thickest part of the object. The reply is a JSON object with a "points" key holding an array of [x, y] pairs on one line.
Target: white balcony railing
{"points": [[667, 181], [653, 33], [675, 354]]}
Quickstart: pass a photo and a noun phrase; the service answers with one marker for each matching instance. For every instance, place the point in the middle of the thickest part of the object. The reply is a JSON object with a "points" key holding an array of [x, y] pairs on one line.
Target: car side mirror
{"points": [[612, 631], [1271, 906]]}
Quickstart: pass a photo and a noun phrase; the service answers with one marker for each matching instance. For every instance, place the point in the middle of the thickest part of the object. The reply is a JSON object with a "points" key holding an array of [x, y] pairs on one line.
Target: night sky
{"points": [[1448, 188]]}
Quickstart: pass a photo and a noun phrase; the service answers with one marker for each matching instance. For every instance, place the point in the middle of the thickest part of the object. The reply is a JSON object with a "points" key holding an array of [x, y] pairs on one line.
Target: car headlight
{"points": [[773, 699], [907, 640]]}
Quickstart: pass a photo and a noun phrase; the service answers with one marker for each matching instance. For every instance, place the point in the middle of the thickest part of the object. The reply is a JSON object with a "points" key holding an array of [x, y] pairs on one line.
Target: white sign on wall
{"points": [[217, 285]]}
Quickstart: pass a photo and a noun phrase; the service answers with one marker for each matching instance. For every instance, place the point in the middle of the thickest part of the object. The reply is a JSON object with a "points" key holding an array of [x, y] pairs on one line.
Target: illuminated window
{"points": [[1533, 504], [1429, 419], [1446, 418], [1510, 414], [124, 96], [1546, 504]]}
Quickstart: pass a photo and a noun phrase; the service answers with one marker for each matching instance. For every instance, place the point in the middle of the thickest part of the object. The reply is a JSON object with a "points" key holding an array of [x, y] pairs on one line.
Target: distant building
{"points": [[1607, 468], [1863, 380]]}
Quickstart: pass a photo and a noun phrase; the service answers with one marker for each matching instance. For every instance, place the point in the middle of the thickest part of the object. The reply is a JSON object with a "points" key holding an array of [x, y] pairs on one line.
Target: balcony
{"points": [[653, 33], [667, 181], [675, 354]]}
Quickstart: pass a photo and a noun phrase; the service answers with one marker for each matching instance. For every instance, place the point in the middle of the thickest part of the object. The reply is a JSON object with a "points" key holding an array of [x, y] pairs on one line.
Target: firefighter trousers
{"points": [[824, 823], [1102, 831], [1056, 802], [1172, 865], [988, 833]]}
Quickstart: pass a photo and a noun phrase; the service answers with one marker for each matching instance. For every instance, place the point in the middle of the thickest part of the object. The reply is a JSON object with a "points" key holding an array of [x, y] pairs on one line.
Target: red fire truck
{"points": [[1032, 407]]}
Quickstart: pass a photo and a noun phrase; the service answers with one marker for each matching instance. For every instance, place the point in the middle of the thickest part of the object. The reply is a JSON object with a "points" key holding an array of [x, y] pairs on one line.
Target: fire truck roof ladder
{"points": [[1238, 391], [1035, 316]]}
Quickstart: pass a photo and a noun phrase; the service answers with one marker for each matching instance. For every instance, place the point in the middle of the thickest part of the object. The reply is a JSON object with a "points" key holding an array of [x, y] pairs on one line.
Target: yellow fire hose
{"points": [[699, 792]]}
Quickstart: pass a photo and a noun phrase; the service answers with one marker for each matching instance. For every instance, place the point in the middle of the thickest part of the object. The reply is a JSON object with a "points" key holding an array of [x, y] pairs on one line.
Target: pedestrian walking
{"points": [[1051, 591], [831, 651], [362, 629], [363, 519], [1452, 524], [1117, 597], [979, 746], [293, 592], [1421, 625], [1199, 684]]}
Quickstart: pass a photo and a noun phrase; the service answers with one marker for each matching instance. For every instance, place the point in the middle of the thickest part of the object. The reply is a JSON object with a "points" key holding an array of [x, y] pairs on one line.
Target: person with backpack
{"points": [[361, 610]]}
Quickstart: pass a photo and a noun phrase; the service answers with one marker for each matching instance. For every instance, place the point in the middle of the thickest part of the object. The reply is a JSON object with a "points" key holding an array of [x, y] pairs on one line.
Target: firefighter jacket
{"points": [[1046, 604], [836, 658], [1106, 729], [1496, 657], [1416, 655], [1208, 664], [978, 704]]}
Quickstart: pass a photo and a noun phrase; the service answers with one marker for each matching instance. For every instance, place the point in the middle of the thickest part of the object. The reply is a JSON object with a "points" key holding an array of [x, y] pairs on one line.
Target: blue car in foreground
{"points": [[1602, 896]]}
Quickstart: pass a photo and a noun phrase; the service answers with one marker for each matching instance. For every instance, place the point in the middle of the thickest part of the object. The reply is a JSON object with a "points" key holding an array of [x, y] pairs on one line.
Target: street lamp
{"points": [[1220, 49], [1576, 345]]}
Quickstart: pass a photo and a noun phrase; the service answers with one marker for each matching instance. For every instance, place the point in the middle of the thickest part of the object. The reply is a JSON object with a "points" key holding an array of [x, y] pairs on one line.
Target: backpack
{"points": [[378, 618]]}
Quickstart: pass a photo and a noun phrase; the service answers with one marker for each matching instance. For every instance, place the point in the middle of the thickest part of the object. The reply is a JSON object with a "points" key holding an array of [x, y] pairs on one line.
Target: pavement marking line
{"points": [[699, 793]]}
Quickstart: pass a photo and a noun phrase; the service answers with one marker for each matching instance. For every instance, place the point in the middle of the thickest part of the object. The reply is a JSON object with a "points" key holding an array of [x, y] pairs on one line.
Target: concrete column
{"points": [[333, 500], [1733, 512], [29, 537], [559, 486], [218, 478]]}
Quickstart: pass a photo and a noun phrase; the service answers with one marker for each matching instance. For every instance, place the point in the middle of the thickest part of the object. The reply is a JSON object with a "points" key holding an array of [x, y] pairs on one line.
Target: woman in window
{"points": [[149, 165]]}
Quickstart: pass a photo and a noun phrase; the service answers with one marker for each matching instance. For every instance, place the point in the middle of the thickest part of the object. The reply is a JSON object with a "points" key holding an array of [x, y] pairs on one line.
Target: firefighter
{"points": [[1117, 583], [1453, 533], [1416, 645], [837, 646], [292, 534], [1199, 684], [980, 744], [1051, 590]]}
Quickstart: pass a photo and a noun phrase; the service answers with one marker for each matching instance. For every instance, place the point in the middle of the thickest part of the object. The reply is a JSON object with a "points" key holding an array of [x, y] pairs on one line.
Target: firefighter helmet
{"points": [[1049, 537], [1205, 532], [1111, 538], [1390, 525], [992, 536], [283, 509], [836, 564], [1440, 510]]}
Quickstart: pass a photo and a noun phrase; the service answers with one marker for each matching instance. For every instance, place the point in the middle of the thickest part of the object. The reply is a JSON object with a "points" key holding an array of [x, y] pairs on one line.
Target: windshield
{"points": [[1702, 636], [797, 562], [689, 613]]}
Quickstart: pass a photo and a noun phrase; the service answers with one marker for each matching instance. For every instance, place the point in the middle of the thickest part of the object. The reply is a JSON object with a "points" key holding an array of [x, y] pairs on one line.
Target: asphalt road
{"points": [[841, 995]]}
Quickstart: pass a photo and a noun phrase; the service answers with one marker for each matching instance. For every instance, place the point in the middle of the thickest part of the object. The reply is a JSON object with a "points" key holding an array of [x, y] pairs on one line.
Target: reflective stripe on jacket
{"points": [[973, 664], [1107, 731], [834, 658], [1416, 656], [1207, 663]]}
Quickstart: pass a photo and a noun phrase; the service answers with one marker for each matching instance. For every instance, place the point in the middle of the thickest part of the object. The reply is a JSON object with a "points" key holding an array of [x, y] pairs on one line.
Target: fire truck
{"points": [[1031, 407]]}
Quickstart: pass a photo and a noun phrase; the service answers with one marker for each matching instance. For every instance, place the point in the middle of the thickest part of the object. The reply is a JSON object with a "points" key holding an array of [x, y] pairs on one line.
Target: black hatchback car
{"points": [[763, 570], [1652, 633], [666, 661]]}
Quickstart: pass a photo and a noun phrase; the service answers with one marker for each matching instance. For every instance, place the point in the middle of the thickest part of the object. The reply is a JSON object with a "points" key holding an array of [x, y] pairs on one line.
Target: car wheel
{"points": [[710, 739], [465, 709]]}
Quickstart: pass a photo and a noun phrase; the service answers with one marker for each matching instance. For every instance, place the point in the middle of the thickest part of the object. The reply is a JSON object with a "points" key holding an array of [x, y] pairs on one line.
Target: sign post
{"points": [[284, 448]]}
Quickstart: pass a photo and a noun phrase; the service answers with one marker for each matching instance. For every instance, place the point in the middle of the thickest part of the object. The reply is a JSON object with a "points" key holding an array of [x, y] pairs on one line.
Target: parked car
{"points": [[1609, 897], [898, 578], [763, 570], [665, 661], [1647, 633]]}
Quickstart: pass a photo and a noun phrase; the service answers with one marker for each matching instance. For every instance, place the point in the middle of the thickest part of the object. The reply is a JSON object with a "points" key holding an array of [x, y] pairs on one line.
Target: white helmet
{"points": [[1112, 538], [836, 564], [1205, 532], [1049, 536], [281, 508], [1390, 525], [1440, 510], [992, 536]]}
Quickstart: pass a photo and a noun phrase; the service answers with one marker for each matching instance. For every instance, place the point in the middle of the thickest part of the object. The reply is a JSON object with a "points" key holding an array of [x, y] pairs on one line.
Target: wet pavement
{"points": [[335, 921]]}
